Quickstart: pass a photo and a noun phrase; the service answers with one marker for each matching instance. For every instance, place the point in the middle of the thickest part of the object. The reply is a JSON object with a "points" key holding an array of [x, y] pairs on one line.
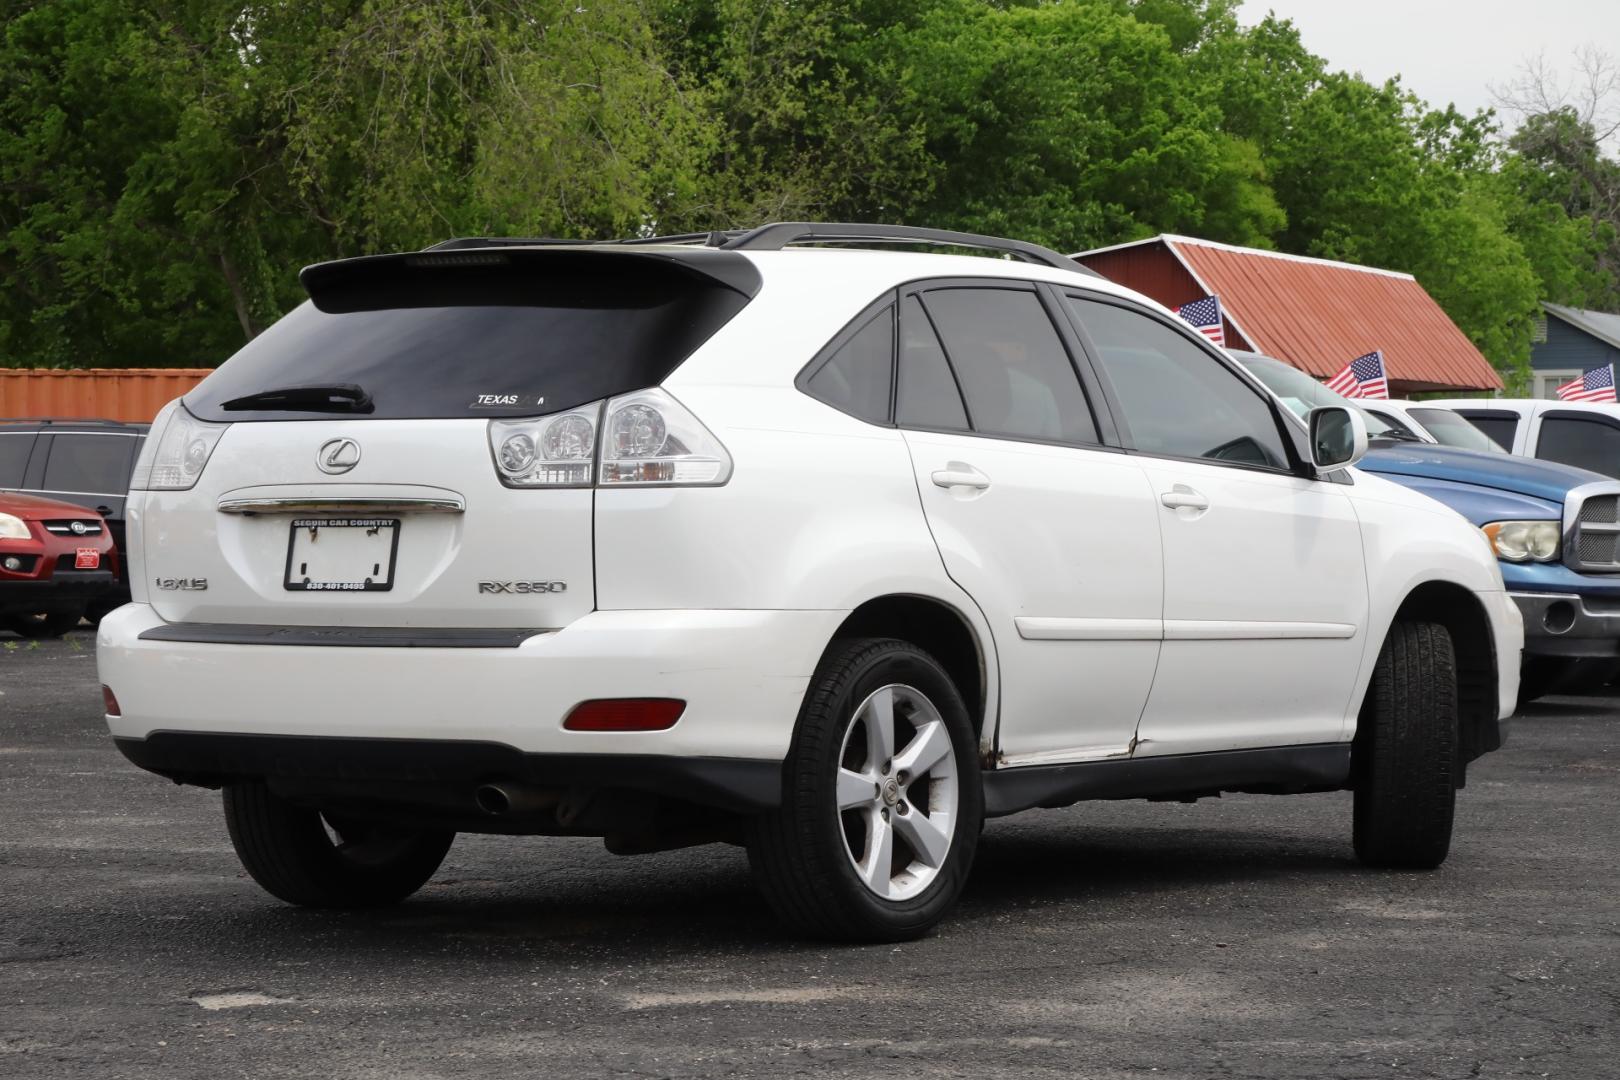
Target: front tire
{"points": [[52, 623], [1406, 751], [289, 852], [881, 801]]}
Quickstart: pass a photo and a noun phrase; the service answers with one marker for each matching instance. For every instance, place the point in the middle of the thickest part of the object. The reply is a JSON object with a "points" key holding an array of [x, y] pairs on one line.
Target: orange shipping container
{"points": [[133, 394]]}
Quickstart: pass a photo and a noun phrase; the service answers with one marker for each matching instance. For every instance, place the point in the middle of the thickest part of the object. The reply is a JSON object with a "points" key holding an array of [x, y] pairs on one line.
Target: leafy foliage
{"points": [[166, 167]]}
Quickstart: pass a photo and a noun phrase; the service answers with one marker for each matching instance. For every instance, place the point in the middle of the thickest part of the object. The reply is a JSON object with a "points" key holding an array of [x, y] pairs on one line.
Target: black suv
{"points": [[86, 462]]}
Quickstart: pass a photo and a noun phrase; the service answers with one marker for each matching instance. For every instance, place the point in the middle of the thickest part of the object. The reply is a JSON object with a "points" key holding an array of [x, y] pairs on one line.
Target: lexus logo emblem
{"points": [[338, 455]]}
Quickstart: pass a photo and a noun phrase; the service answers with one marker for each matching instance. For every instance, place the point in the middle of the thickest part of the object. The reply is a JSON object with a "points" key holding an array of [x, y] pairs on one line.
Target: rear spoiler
{"points": [[575, 275]]}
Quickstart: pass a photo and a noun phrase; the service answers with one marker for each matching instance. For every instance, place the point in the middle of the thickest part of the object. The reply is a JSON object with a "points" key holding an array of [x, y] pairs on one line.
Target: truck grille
{"points": [[1594, 543]]}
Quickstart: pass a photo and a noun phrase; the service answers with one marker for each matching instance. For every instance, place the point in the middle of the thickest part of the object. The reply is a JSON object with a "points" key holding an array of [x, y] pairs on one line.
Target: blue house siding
{"points": [[1570, 348]]}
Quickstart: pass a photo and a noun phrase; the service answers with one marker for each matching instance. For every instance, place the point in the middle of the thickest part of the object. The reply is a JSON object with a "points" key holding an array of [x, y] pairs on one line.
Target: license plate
{"points": [[342, 554], [87, 559]]}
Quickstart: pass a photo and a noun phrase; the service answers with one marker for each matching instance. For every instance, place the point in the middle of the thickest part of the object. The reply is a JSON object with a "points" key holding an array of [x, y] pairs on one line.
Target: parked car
{"points": [[86, 462], [832, 553], [1430, 423], [56, 560], [1580, 433], [1554, 527]]}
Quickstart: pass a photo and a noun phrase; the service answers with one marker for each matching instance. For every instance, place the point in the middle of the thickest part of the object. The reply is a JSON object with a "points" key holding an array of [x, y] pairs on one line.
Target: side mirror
{"points": [[1338, 437]]}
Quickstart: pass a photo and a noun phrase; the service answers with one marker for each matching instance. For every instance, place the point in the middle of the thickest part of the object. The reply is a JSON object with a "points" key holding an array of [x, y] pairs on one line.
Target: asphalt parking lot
{"points": [[1231, 938]]}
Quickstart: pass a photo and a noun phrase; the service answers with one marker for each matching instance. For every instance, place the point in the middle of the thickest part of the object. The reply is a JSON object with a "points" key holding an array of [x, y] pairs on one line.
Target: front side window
{"points": [[855, 378], [1500, 426], [1449, 429], [89, 464], [1014, 371], [1178, 400], [1588, 444]]}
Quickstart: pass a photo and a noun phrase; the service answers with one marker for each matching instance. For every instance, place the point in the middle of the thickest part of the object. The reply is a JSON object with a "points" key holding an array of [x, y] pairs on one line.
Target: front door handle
{"points": [[1182, 497], [960, 474]]}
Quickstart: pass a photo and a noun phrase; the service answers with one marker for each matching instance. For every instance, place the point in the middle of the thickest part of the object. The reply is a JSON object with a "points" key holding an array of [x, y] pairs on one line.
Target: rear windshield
{"points": [[498, 334]]}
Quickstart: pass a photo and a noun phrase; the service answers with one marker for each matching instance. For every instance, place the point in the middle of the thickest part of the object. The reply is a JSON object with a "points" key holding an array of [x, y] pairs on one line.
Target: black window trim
{"points": [[1299, 465], [1575, 414], [1077, 361]]}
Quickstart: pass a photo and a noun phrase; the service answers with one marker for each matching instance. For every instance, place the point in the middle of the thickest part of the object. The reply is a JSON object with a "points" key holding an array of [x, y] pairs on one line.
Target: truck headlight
{"points": [[1523, 541]]}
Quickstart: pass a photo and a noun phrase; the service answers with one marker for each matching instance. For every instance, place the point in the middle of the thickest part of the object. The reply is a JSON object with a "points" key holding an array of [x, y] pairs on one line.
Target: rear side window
{"points": [[89, 464], [1500, 426], [1012, 366], [14, 450], [480, 334], [1177, 399], [928, 396], [855, 378], [1590, 444]]}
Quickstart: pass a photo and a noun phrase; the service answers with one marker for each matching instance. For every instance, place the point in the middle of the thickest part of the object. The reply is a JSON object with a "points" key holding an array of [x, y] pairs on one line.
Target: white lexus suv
{"points": [[779, 539]]}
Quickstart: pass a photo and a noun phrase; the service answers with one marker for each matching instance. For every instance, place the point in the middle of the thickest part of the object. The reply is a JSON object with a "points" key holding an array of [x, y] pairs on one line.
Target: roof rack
{"points": [[781, 234]]}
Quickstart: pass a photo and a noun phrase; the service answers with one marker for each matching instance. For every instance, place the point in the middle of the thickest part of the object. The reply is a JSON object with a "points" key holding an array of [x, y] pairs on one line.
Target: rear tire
{"points": [[52, 623], [1406, 751], [287, 850], [876, 834]]}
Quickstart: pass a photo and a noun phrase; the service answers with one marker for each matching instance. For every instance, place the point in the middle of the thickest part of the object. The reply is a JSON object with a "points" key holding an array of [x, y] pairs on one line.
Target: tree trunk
{"points": [[233, 281]]}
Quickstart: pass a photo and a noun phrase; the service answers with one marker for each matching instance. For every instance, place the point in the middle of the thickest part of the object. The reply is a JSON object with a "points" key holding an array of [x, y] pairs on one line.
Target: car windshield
{"points": [[1301, 393], [1450, 429]]}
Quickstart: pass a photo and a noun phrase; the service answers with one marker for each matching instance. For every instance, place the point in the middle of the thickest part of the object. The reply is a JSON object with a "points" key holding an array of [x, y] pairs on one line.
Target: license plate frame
{"points": [[356, 581]]}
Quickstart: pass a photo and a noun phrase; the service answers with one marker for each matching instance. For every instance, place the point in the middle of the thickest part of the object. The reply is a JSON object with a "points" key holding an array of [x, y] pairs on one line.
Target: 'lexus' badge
{"points": [[338, 456]]}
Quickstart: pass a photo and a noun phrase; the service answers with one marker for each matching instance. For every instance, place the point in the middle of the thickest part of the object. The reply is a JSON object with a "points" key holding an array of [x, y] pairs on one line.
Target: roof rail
{"points": [[776, 236]]}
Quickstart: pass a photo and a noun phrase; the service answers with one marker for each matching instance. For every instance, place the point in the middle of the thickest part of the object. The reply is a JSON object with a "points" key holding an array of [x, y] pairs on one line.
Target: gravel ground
{"points": [[1231, 938]]}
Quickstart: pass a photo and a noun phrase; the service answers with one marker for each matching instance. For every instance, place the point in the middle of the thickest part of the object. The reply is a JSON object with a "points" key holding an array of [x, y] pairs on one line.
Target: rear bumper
{"points": [[1569, 624], [742, 674], [443, 774]]}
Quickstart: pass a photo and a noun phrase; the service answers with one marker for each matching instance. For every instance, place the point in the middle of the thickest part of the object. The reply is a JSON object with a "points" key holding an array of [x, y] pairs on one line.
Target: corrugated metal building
{"points": [[1314, 313], [1576, 340], [133, 394]]}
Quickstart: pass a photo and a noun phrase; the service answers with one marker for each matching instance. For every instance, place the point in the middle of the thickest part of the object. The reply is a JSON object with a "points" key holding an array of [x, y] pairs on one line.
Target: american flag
{"points": [[1594, 385], [1205, 316], [1362, 377]]}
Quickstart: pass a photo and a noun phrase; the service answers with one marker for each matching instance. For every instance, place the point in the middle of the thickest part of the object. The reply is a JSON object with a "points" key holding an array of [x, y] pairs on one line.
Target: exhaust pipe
{"points": [[505, 799]]}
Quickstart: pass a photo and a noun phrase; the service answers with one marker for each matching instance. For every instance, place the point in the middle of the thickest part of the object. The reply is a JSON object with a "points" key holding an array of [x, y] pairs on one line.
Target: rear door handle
{"points": [[958, 474], [1182, 497]]}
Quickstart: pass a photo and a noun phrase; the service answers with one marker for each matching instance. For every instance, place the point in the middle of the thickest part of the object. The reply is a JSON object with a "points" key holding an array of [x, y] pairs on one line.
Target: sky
{"points": [[1446, 50]]}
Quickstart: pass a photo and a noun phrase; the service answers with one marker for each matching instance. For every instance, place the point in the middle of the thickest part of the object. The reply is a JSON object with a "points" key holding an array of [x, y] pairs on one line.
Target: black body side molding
{"points": [[1283, 770]]}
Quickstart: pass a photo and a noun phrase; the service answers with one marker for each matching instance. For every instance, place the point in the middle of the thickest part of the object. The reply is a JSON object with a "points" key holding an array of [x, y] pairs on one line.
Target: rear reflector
{"points": [[109, 701], [625, 714]]}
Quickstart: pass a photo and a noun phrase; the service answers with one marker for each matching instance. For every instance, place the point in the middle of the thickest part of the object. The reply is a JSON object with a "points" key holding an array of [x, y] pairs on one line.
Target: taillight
{"points": [[551, 451], [109, 701], [176, 452], [644, 439], [649, 438], [625, 714]]}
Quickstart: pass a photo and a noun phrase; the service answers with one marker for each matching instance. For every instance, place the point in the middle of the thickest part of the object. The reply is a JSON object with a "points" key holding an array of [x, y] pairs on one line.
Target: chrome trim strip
{"points": [[337, 505], [1033, 628], [1230, 630]]}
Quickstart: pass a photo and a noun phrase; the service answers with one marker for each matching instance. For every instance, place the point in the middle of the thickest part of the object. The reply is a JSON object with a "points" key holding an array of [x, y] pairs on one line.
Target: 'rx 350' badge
{"points": [[522, 586]]}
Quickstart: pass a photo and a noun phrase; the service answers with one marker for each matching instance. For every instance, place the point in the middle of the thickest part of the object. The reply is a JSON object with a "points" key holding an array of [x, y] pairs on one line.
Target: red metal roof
{"points": [[1316, 314]]}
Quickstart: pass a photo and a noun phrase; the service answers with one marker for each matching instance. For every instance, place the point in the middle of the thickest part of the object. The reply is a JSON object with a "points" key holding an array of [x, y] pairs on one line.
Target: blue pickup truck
{"points": [[1555, 530]]}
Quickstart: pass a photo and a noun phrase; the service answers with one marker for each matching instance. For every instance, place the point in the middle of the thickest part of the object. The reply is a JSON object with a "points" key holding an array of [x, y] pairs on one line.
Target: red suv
{"points": [[55, 560]]}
